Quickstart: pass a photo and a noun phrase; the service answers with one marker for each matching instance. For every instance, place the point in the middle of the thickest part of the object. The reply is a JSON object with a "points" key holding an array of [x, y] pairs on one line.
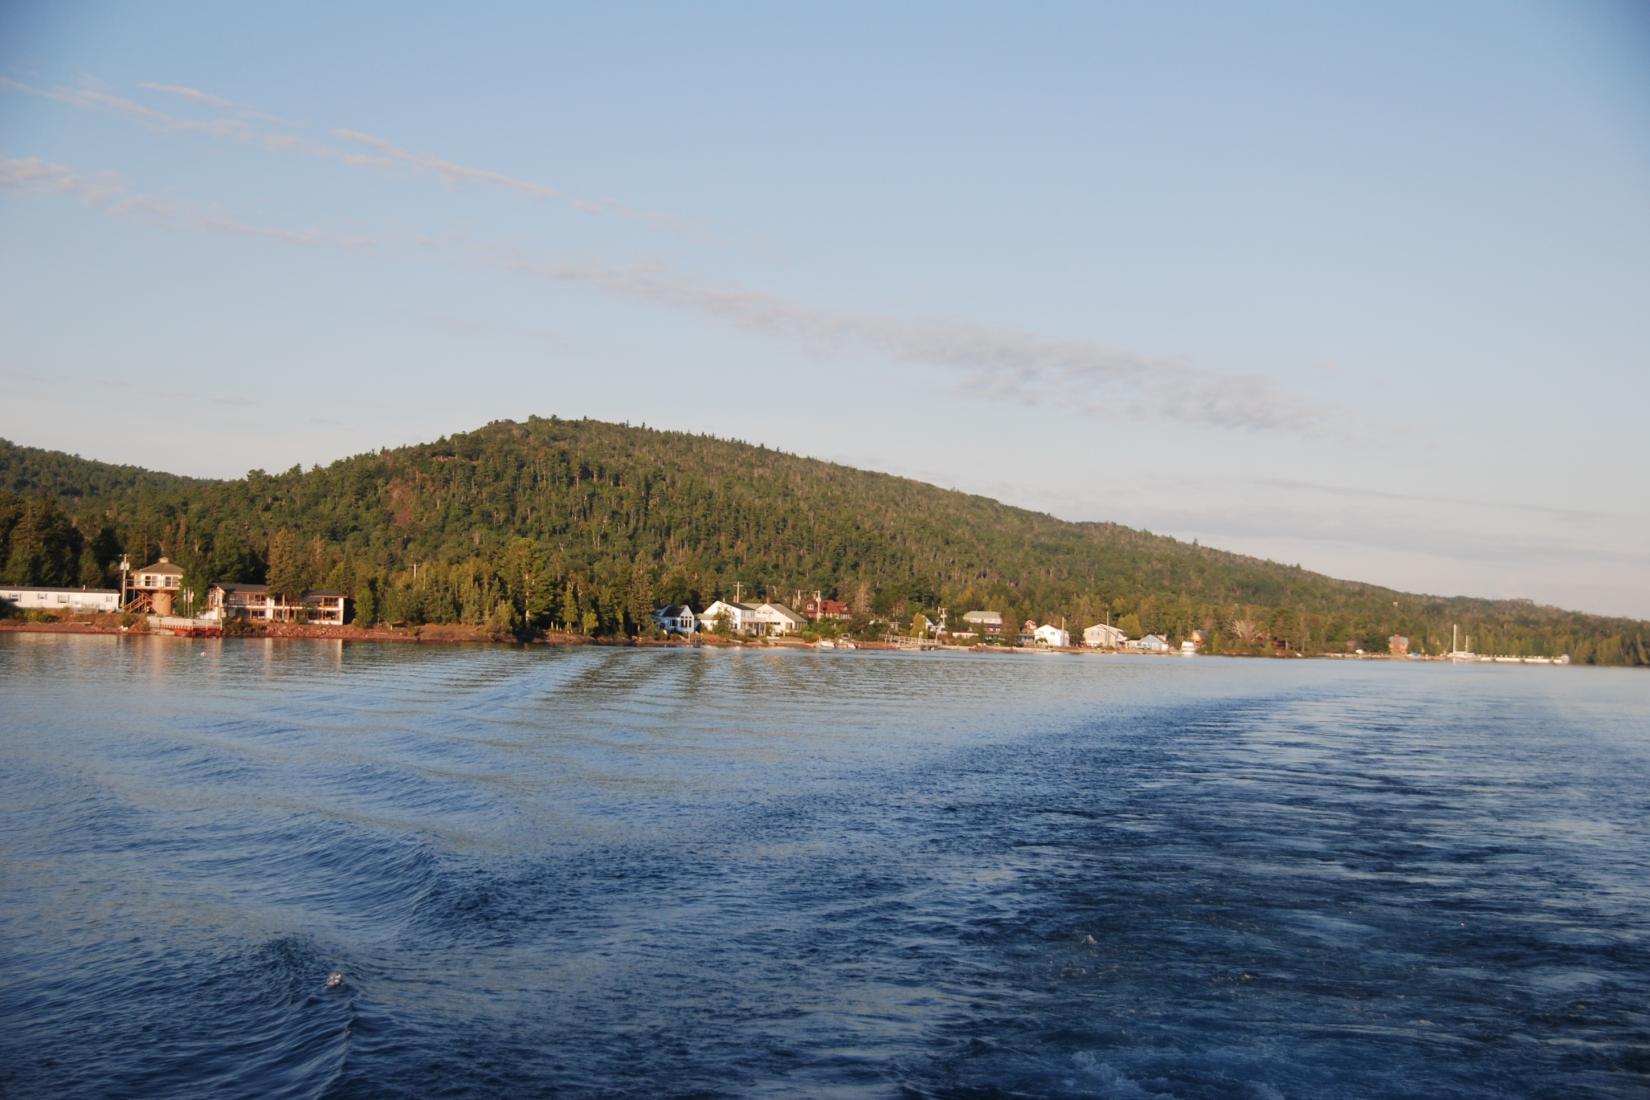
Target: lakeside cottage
{"points": [[1051, 636], [763, 620], [711, 617], [226, 601], [676, 619], [985, 622], [819, 608], [154, 588], [1104, 636], [1151, 643], [773, 620]]}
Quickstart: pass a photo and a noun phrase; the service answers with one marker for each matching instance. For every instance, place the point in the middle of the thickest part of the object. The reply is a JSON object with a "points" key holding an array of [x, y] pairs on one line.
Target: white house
{"points": [[759, 620], [735, 614], [1051, 636], [61, 599], [1102, 636], [773, 619], [676, 619], [1151, 643]]}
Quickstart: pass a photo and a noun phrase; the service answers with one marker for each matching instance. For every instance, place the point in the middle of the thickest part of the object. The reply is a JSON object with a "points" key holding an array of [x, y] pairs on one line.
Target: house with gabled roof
{"points": [[1104, 636], [1050, 635], [773, 620], [823, 608], [734, 613], [676, 619]]}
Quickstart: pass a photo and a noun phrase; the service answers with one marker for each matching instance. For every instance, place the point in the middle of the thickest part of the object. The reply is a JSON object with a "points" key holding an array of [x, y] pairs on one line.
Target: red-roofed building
{"points": [[818, 608]]}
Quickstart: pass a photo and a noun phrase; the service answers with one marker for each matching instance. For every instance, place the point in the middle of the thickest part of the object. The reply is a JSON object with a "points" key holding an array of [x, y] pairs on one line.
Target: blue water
{"points": [[686, 873]]}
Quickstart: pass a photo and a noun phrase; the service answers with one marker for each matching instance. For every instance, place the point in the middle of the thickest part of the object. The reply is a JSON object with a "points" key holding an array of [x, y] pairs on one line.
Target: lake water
{"points": [[672, 872]]}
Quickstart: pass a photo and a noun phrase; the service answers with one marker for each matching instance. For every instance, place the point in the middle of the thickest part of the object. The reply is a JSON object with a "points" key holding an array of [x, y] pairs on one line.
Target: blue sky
{"points": [[1366, 288]]}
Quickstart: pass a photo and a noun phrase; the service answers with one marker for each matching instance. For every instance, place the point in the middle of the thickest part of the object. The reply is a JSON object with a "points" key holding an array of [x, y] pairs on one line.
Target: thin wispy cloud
{"points": [[1358, 528], [455, 174], [986, 362], [1571, 514], [95, 99], [989, 363], [241, 123], [112, 194], [193, 95]]}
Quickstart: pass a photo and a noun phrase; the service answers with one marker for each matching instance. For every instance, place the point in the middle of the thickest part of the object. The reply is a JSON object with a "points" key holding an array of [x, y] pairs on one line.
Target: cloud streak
{"points": [[455, 174], [112, 194], [1570, 514], [988, 363], [1362, 530], [240, 123], [985, 362]]}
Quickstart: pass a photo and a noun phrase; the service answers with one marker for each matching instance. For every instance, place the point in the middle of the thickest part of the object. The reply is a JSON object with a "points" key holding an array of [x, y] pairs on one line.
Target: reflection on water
{"points": [[747, 872]]}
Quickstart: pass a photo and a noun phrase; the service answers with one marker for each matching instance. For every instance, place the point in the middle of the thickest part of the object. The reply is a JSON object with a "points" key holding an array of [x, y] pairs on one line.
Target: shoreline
{"points": [[109, 625]]}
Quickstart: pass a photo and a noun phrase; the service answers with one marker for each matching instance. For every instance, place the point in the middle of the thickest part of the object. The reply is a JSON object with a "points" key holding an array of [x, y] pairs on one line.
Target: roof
{"points": [[983, 617], [786, 612], [675, 611], [161, 566], [263, 590], [45, 588]]}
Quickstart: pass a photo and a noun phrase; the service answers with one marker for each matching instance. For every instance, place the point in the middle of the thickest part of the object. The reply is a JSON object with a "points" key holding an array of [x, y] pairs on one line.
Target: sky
{"points": [[1364, 288]]}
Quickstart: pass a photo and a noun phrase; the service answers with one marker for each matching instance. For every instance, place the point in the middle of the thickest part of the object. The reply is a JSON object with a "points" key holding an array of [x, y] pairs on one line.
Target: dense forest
{"points": [[587, 526]]}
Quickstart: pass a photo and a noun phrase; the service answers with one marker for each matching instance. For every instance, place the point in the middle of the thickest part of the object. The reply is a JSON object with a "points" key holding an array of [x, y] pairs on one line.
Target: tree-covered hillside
{"points": [[589, 525]]}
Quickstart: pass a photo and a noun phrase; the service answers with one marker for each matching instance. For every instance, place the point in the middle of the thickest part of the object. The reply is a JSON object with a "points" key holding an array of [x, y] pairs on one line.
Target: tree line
{"points": [[586, 526]]}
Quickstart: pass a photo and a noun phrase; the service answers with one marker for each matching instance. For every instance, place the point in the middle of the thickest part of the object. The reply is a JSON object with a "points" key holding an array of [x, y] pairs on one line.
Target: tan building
{"points": [[154, 588]]}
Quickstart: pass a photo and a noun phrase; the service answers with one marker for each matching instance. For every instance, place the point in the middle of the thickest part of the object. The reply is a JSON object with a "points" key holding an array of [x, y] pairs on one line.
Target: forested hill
{"points": [[589, 525], [31, 471]]}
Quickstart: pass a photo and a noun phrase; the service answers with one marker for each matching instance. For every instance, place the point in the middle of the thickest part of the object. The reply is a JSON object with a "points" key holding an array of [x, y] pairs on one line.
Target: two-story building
{"points": [[227, 600], [822, 608], [154, 588], [1104, 636]]}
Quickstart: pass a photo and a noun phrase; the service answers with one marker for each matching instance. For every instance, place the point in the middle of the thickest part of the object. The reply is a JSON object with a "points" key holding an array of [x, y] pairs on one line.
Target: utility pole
{"points": [[738, 588], [125, 565]]}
